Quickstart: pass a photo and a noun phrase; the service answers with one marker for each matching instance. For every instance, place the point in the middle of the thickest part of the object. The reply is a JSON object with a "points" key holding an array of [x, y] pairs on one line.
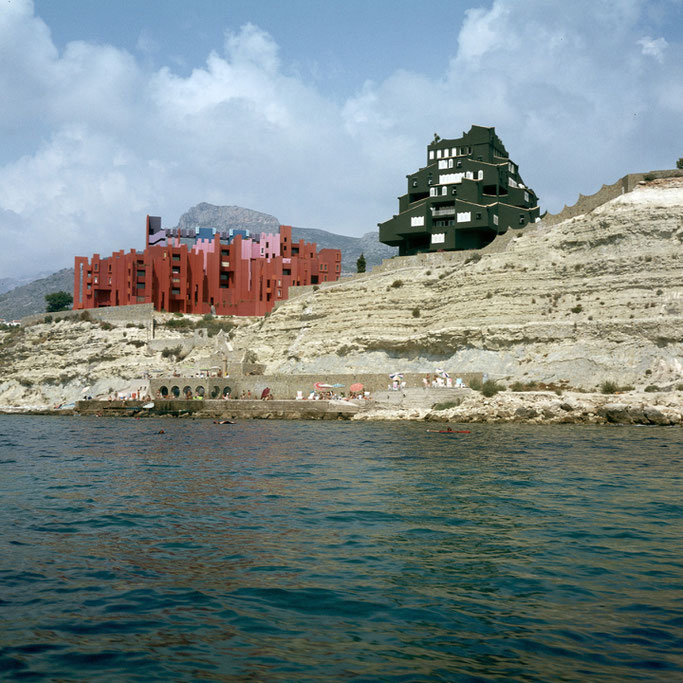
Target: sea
{"points": [[183, 550]]}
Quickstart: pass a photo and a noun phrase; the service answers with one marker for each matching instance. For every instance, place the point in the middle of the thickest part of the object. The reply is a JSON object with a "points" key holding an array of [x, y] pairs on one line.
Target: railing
{"points": [[450, 211]]}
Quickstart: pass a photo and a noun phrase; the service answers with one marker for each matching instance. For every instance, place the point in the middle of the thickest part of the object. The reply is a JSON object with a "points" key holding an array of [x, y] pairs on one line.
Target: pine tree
{"points": [[58, 301], [360, 264]]}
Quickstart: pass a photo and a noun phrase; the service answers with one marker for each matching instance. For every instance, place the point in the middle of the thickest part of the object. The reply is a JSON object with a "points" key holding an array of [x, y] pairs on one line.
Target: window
{"points": [[450, 163], [438, 238], [459, 164], [477, 216], [454, 190], [444, 190], [414, 182], [175, 257], [175, 291], [431, 154], [521, 219]]}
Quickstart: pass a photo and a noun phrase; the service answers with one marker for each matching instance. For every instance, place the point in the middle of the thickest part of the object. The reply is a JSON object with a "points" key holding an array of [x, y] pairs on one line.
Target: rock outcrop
{"points": [[598, 297]]}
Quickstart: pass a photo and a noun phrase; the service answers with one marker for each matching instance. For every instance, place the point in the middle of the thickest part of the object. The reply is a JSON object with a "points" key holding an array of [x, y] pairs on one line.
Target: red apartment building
{"points": [[204, 271]]}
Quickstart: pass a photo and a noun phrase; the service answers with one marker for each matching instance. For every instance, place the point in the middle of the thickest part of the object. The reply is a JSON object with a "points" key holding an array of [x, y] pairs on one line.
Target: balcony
{"points": [[448, 211]]}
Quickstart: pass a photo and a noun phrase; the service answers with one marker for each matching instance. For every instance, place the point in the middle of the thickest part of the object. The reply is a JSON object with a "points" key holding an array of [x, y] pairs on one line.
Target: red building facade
{"points": [[230, 273]]}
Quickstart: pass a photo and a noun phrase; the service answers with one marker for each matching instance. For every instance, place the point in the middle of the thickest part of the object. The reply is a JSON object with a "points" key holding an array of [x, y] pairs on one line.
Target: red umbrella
{"points": [[265, 392], [356, 387]]}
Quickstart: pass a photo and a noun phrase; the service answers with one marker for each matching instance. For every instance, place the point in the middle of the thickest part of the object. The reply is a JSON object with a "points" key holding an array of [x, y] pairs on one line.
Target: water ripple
{"points": [[313, 551]]}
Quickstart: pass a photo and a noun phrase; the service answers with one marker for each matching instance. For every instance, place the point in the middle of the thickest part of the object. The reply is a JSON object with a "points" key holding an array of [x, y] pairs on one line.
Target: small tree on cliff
{"points": [[58, 301], [360, 264], [679, 163]]}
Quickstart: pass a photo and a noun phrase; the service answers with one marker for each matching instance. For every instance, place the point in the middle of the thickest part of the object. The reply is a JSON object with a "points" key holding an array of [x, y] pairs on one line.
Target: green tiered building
{"points": [[469, 192]]}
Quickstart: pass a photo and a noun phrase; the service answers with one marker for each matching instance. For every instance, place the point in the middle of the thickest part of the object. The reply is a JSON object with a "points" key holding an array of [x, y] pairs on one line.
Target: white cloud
{"points": [[577, 95], [653, 47]]}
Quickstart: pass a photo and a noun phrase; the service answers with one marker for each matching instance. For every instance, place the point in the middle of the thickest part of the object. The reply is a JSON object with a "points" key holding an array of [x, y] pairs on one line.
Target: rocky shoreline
{"points": [[537, 407]]}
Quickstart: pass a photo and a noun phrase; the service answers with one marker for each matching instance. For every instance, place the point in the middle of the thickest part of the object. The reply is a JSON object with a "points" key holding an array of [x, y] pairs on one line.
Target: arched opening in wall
{"points": [[199, 390], [226, 391], [187, 391], [175, 391], [163, 391], [215, 392]]}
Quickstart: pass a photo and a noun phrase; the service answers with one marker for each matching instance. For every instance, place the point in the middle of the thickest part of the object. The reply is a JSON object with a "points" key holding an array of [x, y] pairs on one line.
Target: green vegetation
{"points": [[577, 309], [397, 283], [610, 387], [106, 326], [445, 405], [416, 312], [58, 301], [174, 352], [214, 326], [475, 384], [651, 388], [179, 323], [679, 163], [491, 388], [360, 264]]}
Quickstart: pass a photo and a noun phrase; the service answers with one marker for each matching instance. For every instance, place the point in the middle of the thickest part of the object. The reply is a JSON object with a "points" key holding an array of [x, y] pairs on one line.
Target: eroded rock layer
{"points": [[597, 297]]}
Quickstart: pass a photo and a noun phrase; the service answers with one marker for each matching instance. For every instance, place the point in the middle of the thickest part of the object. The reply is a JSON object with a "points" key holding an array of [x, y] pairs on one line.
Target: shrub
{"points": [[679, 387], [649, 177], [489, 295], [214, 326], [416, 312], [577, 309], [85, 315], [207, 316], [179, 323], [175, 351], [490, 388], [429, 272], [659, 292], [473, 258], [609, 387], [445, 405], [106, 326], [679, 163], [475, 384], [650, 388], [315, 288], [47, 319], [137, 343], [360, 264], [397, 283], [25, 382]]}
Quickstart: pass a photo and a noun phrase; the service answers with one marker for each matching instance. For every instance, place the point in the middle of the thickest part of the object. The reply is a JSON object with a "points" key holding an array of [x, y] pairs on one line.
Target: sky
{"points": [[313, 111]]}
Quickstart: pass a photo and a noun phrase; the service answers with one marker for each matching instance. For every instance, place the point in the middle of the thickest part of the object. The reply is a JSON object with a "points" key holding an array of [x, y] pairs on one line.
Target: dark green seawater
{"points": [[307, 551]]}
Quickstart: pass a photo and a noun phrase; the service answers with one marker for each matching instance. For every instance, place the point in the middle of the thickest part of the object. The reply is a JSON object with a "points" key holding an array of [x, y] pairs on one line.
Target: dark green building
{"points": [[469, 192]]}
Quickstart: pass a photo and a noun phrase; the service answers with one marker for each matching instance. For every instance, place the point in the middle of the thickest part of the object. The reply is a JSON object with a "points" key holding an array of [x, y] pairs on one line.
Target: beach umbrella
{"points": [[396, 375], [320, 385], [356, 387], [265, 392], [337, 385], [442, 373]]}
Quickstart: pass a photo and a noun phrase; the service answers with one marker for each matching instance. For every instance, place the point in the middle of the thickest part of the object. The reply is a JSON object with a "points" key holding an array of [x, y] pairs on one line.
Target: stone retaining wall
{"points": [[286, 386], [135, 313], [285, 410], [587, 203]]}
